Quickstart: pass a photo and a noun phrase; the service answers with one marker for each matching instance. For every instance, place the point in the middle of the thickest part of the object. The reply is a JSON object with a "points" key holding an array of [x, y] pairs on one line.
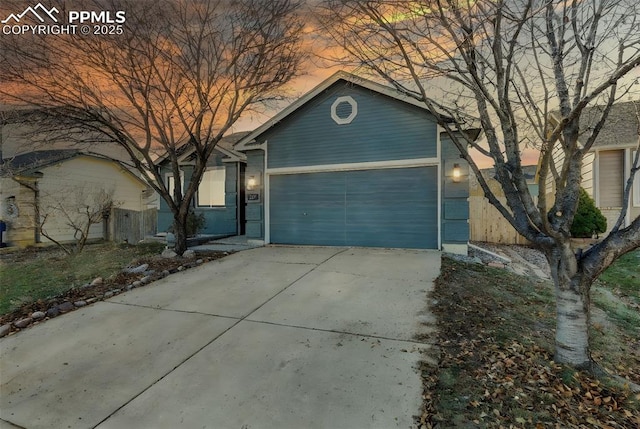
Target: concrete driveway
{"points": [[274, 337]]}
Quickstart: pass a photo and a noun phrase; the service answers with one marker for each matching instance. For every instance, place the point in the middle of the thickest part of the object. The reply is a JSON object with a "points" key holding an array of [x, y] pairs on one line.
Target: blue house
{"points": [[220, 196], [355, 163]]}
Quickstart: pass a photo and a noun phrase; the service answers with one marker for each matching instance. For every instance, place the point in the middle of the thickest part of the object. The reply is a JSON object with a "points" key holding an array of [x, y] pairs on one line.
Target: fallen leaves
{"points": [[520, 383], [497, 371]]}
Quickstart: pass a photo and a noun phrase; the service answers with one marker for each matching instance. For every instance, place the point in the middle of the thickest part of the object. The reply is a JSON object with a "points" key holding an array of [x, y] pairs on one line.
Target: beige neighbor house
{"points": [[606, 167], [45, 192], [47, 177]]}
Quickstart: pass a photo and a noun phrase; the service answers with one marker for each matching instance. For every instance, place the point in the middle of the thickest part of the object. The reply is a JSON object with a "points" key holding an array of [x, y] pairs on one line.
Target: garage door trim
{"points": [[377, 165], [355, 166]]}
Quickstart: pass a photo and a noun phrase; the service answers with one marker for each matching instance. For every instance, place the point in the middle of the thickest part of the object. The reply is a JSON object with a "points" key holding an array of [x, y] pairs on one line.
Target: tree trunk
{"points": [[572, 328], [180, 232], [572, 309]]}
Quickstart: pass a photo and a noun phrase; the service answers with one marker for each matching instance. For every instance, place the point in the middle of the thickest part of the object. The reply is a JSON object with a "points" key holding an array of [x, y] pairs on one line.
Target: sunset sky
{"points": [[316, 75], [316, 70]]}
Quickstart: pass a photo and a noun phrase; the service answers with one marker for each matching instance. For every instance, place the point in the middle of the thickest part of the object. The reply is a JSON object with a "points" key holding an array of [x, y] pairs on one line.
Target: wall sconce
{"points": [[253, 182], [457, 173]]}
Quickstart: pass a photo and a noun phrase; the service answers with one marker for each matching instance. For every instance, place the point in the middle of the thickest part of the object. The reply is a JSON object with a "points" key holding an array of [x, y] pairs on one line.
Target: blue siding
{"points": [[384, 129], [165, 218], [219, 220], [455, 196], [255, 210], [454, 210], [224, 220], [378, 208], [456, 232]]}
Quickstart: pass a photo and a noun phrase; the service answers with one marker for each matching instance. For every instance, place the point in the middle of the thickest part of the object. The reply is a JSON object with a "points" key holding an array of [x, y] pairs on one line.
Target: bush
{"points": [[195, 224], [588, 219]]}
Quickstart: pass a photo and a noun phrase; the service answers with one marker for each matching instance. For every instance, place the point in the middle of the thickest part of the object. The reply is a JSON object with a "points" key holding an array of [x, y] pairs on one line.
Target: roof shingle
{"points": [[622, 127], [31, 161]]}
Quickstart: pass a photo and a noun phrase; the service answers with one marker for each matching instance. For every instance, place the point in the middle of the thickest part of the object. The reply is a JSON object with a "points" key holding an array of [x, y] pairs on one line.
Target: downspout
{"points": [[628, 161], [36, 214], [33, 186]]}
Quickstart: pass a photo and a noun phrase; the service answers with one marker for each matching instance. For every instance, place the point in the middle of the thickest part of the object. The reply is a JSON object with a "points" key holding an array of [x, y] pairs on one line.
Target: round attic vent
{"points": [[344, 110]]}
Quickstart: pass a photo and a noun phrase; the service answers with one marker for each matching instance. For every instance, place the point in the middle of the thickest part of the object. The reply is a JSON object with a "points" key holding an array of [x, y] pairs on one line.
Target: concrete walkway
{"points": [[235, 243], [273, 337]]}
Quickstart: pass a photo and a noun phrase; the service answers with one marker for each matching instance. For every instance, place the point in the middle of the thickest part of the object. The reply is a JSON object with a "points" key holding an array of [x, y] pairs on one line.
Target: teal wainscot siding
{"points": [[455, 198], [352, 163]]}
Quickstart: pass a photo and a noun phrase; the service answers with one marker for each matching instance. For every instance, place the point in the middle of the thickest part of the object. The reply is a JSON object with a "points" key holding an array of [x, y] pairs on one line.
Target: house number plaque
{"points": [[253, 197]]}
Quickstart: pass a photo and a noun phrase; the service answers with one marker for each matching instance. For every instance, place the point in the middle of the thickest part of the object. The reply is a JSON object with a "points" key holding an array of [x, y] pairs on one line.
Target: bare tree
{"points": [[78, 211], [510, 64], [175, 74]]}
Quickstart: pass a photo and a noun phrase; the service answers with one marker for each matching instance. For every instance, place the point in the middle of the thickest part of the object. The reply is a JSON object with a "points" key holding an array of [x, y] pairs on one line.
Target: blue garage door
{"points": [[377, 208]]}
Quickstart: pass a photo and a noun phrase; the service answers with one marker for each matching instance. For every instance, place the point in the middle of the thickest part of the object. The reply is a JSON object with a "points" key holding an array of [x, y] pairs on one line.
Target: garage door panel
{"points": [[315, 233], [380, 208], [363, 235], [307, 209], [392, 208], [379, 213], [307, 188], [315, 211], [399, 185]]}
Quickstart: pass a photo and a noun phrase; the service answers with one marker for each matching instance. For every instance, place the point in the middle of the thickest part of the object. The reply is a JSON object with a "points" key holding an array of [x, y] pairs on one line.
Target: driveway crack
{"points": [[335, 331], [238, 320]]}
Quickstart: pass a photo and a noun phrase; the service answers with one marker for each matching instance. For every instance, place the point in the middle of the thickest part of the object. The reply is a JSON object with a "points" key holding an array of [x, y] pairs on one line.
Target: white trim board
{"points": [[266, 195], [374, 165], [439, 130]]}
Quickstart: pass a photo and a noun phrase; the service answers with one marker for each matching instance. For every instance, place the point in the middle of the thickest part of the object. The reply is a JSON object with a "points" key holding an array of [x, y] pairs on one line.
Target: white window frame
{"points": [[598, 182], [222, 201], [334, 110], [168, 180]]}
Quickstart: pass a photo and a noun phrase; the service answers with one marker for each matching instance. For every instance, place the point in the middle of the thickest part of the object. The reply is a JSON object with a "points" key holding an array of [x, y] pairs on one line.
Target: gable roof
{"points": [[622, 127], [529, 172], [225, 146], [248, 142], [30, 163], [11, 114]]}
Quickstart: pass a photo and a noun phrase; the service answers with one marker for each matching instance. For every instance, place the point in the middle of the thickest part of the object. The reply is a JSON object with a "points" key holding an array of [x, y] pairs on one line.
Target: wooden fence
{"points": [[132, 226], [485, 221]]}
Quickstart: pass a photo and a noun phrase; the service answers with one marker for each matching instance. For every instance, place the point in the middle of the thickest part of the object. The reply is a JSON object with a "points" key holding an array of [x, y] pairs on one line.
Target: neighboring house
{"points": [[607, 166], [355, 163], [486, 223], [38, 187], [21, 132], [220, 195]]}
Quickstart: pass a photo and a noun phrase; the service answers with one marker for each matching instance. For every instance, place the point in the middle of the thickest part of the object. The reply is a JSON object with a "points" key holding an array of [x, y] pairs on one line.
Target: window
{"points": [[636, 184], [344, 110], [611, 178], [211, 189]]}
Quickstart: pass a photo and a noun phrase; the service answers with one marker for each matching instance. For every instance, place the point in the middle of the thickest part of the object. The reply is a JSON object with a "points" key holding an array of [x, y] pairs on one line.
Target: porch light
{"points": [[456, 173], [252, 183]]}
